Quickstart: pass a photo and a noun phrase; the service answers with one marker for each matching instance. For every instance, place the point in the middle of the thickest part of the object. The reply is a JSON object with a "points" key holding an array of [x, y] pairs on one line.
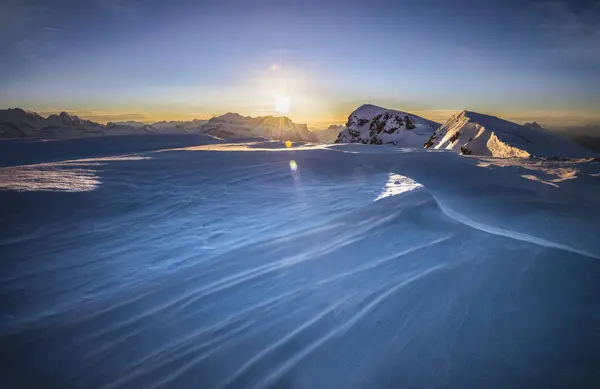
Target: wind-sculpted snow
{"points": [[355, 266]]}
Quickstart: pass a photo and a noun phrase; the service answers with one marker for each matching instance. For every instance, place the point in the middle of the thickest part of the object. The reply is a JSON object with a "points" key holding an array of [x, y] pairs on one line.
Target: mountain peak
{"points": [[370, 124], [534, 125], [475, 133], [21, 111], [370, 110]]}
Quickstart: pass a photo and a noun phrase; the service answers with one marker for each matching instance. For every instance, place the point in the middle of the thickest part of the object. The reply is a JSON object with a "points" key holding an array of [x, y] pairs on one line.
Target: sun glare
{"points": [[282, 104]]}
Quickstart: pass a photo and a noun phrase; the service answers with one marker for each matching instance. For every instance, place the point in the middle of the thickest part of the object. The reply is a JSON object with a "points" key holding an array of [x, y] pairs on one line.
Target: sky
{"points": [[314, 61]]}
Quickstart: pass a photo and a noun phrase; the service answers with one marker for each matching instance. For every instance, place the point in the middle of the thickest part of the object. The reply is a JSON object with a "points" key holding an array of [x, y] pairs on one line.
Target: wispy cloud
{"points": [[26, 29], [38, 45], [571, 33], [123, 8], [16, 17]]}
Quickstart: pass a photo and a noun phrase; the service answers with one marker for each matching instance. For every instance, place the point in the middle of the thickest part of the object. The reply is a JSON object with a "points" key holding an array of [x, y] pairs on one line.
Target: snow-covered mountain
{"points": [[18, 123], [475, 133], [233, 125], [179, 127], [370, 124], [329, 134]]}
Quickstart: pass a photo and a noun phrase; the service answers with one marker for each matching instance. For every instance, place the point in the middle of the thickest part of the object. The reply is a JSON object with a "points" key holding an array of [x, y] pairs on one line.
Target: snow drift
{"points": [[252, 265]]}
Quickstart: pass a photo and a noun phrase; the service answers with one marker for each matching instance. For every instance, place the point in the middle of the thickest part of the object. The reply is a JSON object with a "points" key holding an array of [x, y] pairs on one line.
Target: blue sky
{"points": [[150, 60]]}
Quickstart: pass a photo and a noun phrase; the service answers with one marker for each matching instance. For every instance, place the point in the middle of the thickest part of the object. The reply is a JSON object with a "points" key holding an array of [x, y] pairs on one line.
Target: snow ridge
{"points": [[474, 133]]}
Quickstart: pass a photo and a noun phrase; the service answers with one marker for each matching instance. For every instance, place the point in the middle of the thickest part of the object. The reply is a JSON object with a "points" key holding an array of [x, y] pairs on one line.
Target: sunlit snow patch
{"points": [[65, 176], [396, 185]]}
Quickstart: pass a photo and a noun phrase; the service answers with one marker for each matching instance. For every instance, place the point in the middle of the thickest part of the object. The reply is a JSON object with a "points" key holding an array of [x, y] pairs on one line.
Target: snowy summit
{"points": [[370, 124], [233, 125], [475, 133]]}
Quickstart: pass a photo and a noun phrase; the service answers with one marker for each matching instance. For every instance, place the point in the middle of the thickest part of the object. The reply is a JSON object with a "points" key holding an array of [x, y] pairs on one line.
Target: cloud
{"points": [[573, 33], [17, 17], [22, 31], [38, 45], [123, 8]]}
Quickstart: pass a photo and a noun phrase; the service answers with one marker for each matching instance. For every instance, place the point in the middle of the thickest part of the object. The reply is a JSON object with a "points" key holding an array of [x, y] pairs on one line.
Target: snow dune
{"points": [[221, 266]]}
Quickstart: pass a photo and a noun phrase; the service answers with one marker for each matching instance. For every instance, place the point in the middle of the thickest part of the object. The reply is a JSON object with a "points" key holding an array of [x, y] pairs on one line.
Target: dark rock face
{"points": [[375, 125]]}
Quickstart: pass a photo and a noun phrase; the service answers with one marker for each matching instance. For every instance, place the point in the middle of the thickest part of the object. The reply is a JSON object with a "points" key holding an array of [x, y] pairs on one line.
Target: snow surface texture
{"points": [[370, 124], [479, 134], [18, 123], [256, 265]]}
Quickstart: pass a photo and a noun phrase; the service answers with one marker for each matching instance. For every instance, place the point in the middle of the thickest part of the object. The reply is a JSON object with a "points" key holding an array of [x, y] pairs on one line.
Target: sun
{"points": [[282, 104]]}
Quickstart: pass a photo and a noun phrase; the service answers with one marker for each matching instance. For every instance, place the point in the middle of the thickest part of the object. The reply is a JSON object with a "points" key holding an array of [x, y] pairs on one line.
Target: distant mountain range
{"points": [[466, 132], [19, 123]]}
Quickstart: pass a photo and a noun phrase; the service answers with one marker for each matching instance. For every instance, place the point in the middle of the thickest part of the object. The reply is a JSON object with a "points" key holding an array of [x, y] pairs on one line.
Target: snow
{"points": [[370, 124], [479, 134], [253, 264], [396, 185]]}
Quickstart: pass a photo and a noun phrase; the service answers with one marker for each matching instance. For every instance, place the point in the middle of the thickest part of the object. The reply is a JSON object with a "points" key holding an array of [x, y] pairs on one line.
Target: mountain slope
{"points": [[179, 127], [330, 134], [370, 124], [233, 125], [475, 133], [29, 124]]}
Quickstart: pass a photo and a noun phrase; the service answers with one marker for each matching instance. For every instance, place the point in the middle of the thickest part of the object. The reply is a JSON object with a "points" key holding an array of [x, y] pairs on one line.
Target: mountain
{"points": [[370, 124], [233, 125], [179, 127], [18, 123], [534, 125], [329, 134], [475, 133], [163, 127], [588, 141], [130, 123]]}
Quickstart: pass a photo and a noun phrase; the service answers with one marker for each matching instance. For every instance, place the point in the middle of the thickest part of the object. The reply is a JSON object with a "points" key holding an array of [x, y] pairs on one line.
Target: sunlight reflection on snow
{"points": [[397, 184], [64, 176]]}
